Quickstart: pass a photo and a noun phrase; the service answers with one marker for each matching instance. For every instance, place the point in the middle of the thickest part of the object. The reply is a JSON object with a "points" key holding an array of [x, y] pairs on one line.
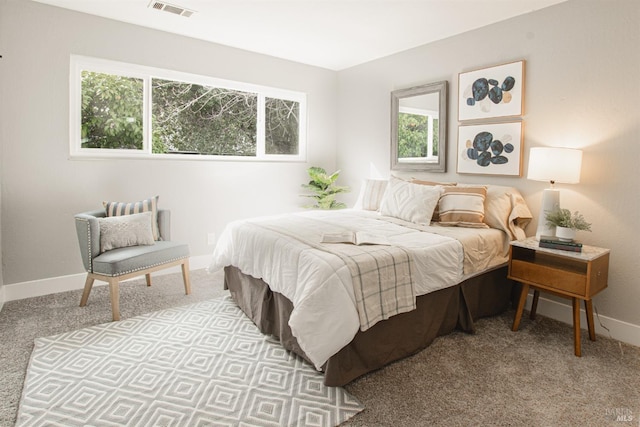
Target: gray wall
{"points": [[42, 188], [582, 90]]}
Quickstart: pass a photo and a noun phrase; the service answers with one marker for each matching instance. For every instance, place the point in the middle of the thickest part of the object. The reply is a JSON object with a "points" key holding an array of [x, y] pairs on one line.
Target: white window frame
{"points": [[83, 63]]}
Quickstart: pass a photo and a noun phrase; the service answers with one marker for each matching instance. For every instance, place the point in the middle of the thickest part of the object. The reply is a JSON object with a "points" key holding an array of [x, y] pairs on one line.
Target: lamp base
{"points": [[550, 201]]}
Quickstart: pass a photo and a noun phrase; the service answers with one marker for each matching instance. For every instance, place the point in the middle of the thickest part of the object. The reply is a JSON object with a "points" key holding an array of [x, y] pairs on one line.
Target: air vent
{"points": [[171, 8]]}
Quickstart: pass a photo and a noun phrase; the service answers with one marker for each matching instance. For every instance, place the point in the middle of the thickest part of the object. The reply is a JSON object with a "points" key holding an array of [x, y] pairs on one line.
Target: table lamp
{"points": [[553, 165]]}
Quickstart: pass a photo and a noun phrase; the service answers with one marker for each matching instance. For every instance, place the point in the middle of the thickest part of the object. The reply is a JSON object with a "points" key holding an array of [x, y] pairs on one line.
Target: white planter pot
{"points": [[565, 234]]}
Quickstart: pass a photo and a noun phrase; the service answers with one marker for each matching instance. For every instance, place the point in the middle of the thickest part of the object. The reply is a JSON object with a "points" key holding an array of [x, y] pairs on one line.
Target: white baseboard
{"points": [[605, 326], [53, 285]]}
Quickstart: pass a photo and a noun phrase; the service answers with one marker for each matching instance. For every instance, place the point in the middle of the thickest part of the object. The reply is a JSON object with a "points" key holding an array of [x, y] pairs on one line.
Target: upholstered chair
{"points": [[120, 263]]}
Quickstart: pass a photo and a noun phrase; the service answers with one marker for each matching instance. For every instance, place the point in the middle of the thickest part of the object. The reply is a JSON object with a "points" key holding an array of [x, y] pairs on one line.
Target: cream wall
{"points": [[582, 90], [42, 188]]}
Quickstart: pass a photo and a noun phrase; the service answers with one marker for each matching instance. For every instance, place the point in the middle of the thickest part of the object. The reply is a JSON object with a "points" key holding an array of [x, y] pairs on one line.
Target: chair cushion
{"points": [[127, 260]]}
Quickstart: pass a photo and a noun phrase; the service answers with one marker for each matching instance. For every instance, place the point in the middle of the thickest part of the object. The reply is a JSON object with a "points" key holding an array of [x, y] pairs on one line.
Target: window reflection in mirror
{"points": [[418, 120], [418, 141]]}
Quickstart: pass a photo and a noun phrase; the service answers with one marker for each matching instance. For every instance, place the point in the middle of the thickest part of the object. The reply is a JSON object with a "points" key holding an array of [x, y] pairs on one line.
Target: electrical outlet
{"points": [[211, 239]]}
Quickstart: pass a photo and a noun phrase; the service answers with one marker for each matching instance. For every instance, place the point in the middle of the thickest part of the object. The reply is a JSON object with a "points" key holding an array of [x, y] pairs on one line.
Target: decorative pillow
{"points": [[463, 206], [436, 212], [147, 205], [125, 230], [506, 210], [371, 194], [410, 202]]}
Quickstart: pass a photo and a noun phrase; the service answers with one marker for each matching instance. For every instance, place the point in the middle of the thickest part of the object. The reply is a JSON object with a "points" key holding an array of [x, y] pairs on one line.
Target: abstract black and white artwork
{"points": [[494, 92], [490, 149]]}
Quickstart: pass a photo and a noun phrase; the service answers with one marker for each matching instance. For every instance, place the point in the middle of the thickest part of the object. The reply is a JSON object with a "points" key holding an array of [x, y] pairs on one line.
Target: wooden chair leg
{"points": [[185, 277], [148, 276], [115, 297], [88, 284]]}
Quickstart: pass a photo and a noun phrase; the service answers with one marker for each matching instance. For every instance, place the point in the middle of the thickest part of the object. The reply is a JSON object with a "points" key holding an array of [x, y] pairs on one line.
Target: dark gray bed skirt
{"points": [[438, 313]]}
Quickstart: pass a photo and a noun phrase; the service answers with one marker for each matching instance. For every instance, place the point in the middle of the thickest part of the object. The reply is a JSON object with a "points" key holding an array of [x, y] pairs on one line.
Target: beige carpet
{"points": [[495, 377]]}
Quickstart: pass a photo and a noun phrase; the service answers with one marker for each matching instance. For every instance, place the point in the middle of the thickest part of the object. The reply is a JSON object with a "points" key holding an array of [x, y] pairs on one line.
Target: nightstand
{"points": [[575, 275]]}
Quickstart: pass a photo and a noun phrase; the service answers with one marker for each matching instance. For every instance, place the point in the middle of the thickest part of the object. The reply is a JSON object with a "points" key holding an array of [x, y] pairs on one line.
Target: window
{"points": [[417, 135], [125, 110]]}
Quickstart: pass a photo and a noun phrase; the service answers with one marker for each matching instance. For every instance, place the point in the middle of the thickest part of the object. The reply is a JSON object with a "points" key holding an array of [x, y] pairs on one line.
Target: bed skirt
{"points": [[438, 313]]}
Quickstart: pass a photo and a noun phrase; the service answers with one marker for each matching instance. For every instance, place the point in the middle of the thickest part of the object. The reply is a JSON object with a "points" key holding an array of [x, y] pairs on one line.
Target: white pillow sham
{"points": [[410, 202], [371, 194]]}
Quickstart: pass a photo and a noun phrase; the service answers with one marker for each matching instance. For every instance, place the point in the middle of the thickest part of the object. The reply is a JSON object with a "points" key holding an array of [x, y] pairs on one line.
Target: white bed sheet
{"points": [[324, 318]]}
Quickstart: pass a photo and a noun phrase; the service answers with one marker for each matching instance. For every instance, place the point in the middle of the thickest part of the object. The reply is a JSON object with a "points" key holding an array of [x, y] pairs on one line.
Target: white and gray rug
{"points": [[205, 364]]}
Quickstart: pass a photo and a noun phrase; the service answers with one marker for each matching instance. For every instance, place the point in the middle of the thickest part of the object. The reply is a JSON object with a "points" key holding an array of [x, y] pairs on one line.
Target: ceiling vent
{"points": [[171, 8]]}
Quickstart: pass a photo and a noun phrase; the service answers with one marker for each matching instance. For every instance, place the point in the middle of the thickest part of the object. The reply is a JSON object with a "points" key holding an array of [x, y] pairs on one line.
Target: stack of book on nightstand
{"points": [[553, 242]]}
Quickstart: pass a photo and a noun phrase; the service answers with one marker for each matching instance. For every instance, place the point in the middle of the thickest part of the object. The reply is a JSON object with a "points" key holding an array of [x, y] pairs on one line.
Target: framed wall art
{"points": [[494, 92], [490, 149]]}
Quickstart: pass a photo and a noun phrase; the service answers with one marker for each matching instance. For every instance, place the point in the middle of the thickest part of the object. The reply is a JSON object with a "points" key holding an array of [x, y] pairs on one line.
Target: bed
{"points": [[351, 309]]}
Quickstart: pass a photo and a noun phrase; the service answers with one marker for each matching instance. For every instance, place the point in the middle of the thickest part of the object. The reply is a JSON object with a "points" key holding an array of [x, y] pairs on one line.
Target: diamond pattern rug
{"points": [[205, 364]]}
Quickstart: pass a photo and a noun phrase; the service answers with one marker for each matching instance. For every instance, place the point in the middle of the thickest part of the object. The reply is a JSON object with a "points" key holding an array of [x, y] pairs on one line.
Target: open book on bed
{"points": [[355, 237]]}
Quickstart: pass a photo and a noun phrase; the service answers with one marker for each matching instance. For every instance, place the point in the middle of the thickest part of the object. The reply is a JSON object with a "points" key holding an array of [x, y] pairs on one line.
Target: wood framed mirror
{"points": [[419, 128]]}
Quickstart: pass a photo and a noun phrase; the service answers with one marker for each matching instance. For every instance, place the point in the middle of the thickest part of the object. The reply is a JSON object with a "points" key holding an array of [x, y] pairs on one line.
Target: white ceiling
{"points": [[333, 34]]}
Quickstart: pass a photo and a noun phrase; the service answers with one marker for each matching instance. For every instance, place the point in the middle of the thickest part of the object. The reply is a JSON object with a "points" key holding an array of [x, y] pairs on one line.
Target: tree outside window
{"points": [[182, 116]]}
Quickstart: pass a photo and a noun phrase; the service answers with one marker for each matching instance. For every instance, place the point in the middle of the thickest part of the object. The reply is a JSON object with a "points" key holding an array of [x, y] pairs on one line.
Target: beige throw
{"points": [[381, 274]]}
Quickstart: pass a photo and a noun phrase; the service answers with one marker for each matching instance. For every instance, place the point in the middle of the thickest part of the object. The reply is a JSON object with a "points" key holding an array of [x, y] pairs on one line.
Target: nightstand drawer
{"points": [[552, 278]]}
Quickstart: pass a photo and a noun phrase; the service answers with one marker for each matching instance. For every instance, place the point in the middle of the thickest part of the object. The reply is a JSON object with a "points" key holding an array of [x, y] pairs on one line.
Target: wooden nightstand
{"points": [[574, 275]]}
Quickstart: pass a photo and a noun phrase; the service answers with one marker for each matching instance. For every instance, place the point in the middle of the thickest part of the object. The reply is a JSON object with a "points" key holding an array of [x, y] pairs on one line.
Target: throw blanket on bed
{"points": [[382, 275]]}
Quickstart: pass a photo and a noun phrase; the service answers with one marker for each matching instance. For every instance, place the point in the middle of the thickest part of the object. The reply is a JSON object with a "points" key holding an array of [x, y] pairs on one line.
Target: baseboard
{"points": [[605, 326], [53, 285]]}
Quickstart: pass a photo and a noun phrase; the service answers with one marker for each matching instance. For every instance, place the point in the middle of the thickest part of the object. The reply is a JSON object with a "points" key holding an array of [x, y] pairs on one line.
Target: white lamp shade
{"points": [[555, 164]]}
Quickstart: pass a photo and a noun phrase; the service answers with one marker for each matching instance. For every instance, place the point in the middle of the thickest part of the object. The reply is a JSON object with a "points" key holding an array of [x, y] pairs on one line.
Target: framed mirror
{"points": [[419, 128]]}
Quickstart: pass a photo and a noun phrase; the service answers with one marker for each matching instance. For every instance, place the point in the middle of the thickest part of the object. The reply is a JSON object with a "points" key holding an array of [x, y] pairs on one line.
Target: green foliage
{"points": [[564, 218], [193, 118], [324, 189], [412, 135], [111, 111], [186, 117], [281, 126]]}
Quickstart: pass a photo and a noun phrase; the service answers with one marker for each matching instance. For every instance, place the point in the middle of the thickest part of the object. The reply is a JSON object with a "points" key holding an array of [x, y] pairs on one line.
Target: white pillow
{"points": [[125, 230], [410, 202], [371, 194]]}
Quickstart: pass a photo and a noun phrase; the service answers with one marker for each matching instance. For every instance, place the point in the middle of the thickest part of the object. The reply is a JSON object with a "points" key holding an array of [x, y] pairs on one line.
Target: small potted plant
{"points": [[324, 189], [566, 223]]}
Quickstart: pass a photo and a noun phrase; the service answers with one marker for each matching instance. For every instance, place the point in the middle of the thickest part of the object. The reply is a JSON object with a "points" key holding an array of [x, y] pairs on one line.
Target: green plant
{"points": [[564, 218], [324, 189]]}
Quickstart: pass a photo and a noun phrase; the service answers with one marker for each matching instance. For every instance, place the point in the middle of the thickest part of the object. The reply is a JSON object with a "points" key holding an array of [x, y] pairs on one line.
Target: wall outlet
{"points": [[211, 239]]}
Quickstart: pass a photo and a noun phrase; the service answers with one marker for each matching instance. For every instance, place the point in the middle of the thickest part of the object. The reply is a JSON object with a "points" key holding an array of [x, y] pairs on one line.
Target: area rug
{"points": [[205, 364]]}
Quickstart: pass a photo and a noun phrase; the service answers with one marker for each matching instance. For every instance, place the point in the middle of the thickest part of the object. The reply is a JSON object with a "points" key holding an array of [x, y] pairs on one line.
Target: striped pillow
{"points": [[147, 205], [463, 206], [371, 194], [436, 211]]}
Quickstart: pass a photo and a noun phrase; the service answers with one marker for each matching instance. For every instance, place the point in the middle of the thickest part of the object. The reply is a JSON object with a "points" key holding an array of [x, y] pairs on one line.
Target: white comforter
{"points": [[324, 318]]}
